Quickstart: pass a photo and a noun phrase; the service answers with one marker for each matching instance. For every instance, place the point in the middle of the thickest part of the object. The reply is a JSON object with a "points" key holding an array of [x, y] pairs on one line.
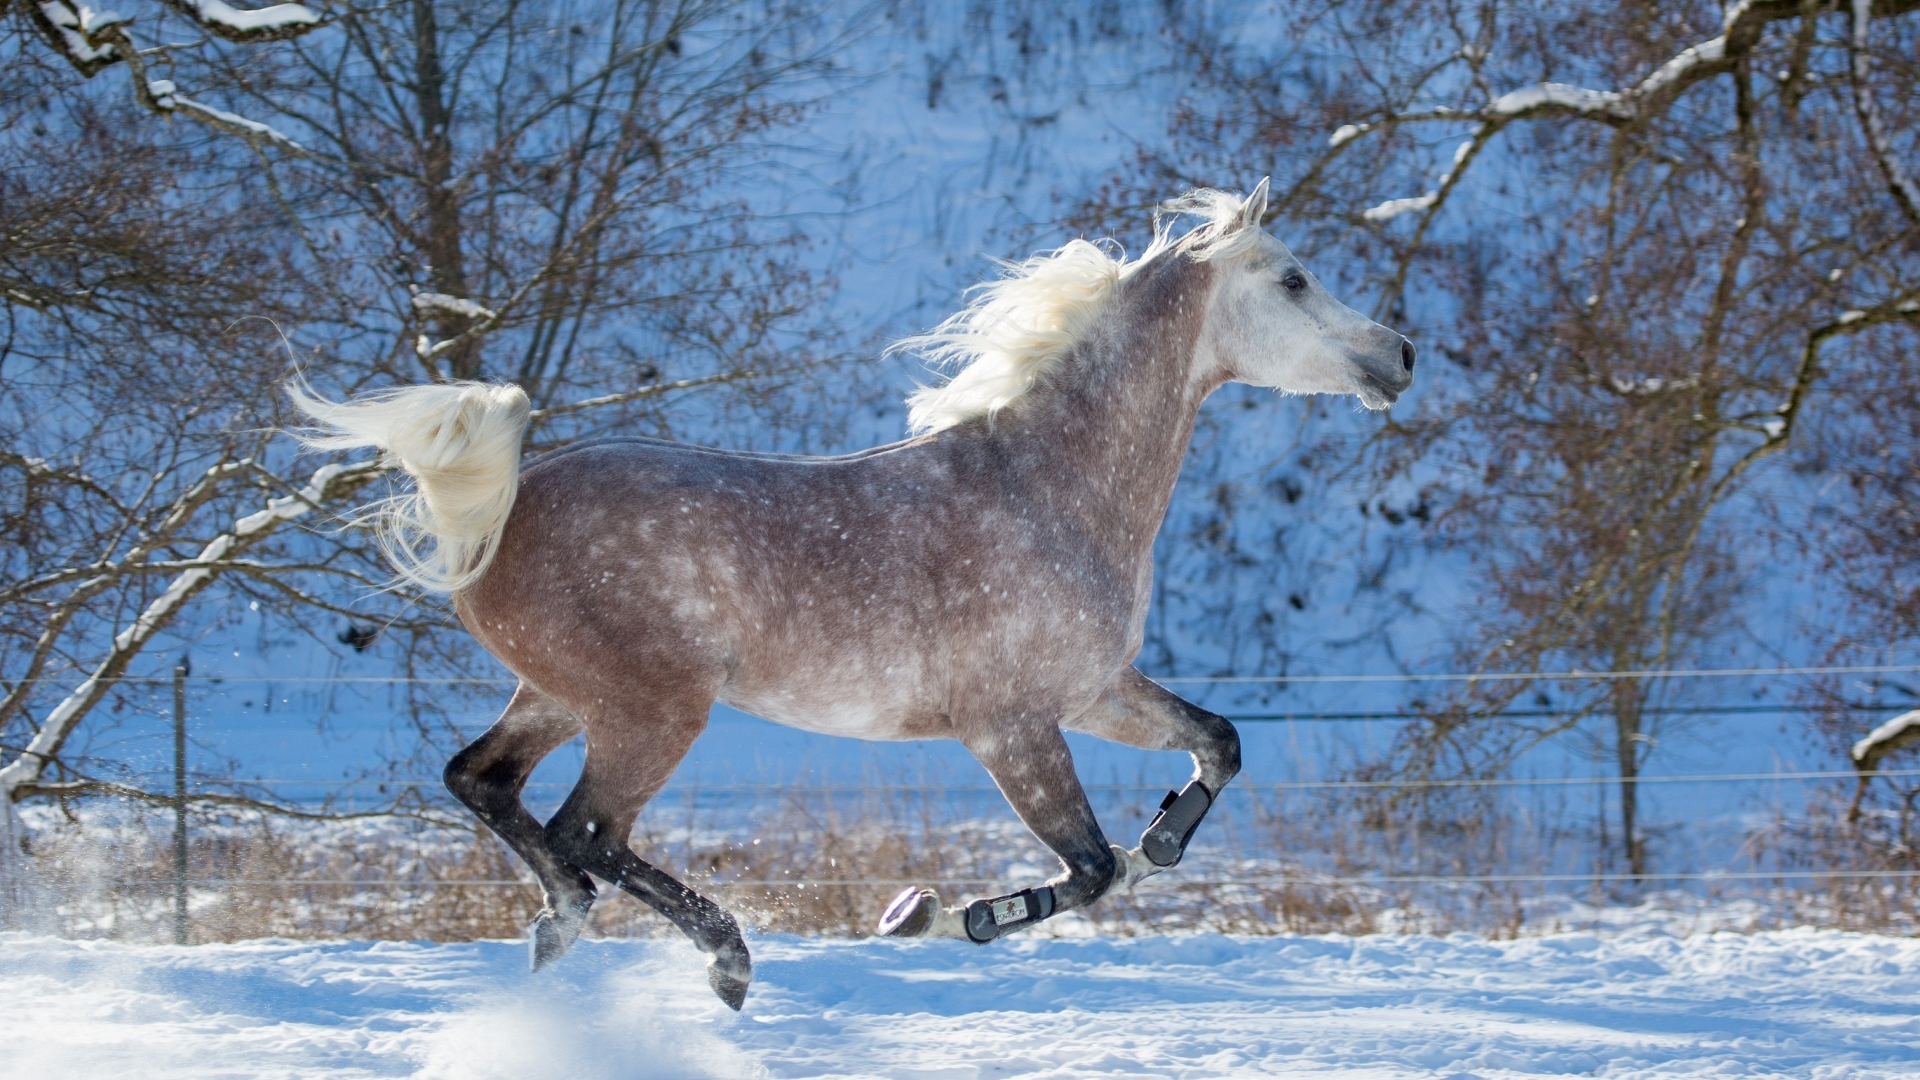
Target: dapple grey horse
{"points": [[986, 580]]}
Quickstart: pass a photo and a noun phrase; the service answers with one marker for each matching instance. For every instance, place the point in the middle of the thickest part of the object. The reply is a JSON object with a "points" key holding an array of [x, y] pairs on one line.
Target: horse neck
{"points": [[1107, 439]]}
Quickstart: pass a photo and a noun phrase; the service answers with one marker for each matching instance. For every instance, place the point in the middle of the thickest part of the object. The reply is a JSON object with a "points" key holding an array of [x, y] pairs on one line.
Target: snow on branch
{"points": [[75, 31], [1741, 27], [165, 98], [425, 302], [1545, 99], [1559, 96], [1779, 425], [92, 40], [274, 23], [1898, 733], [1429, 202], [1693, 64], [1393, 208], [1651, 385], [1904, 191]]}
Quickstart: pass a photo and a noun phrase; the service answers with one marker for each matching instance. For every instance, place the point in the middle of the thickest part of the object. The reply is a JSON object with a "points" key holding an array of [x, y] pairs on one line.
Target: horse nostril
{"points": [[1406, 355]]}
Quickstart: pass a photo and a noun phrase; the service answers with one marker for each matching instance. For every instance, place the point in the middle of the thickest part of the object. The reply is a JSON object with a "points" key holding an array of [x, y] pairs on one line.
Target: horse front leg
{"points": [[1140, 712], [1034, 770]]}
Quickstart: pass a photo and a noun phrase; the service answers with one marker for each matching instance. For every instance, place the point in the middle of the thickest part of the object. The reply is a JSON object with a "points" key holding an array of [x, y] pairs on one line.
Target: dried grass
{"points": [[826, 864]]}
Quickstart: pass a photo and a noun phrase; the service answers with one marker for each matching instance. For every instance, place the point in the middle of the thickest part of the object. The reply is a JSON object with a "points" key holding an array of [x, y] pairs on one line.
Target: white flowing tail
{"points": [[461, 444]]}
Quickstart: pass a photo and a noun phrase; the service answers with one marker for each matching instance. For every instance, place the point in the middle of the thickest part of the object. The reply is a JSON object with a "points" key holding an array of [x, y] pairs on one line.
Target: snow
{"points": [[1652, 384], [234, 121], [1878, 134], [1799, 1003], [1888, 737], [276, 17], [433, 301], [1707, 52], [78, 24], [1557, 95], [1346, 134], [1393, 208]]}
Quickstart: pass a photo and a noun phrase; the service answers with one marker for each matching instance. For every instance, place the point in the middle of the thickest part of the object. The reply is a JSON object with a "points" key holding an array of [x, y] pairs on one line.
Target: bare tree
{"points": [[550, 194], [1646, 241]]}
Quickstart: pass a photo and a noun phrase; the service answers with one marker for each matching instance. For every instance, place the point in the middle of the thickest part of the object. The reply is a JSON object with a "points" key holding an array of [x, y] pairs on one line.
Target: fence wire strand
{"points": [[1393, 677], [1156, 882]]}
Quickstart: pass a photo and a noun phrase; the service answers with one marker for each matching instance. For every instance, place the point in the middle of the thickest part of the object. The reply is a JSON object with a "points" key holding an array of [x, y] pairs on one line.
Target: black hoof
{"points": [[546, 942], [910, 913], [731, 990], [552, 933]]}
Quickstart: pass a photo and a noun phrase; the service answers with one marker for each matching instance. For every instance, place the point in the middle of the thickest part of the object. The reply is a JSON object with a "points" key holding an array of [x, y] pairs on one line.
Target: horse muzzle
{"points": [[1381, 380]]}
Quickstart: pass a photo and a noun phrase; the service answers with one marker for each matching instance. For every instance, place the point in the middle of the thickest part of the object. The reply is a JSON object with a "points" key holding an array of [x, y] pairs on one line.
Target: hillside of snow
{"points": [[1795, 1003]]}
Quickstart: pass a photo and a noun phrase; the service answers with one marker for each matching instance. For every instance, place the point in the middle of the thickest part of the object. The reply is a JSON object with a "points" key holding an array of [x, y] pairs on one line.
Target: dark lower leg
{"points": [[489, 775], [592, 829], [599, 843]]}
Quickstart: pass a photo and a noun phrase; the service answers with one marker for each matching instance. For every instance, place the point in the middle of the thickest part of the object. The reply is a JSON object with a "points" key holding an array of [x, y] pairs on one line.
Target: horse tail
{"points": [[460, 442]]}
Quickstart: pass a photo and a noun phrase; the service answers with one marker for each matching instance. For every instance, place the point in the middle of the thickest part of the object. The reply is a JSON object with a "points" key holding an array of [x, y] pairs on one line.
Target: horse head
{"points": [[1270, 322]]}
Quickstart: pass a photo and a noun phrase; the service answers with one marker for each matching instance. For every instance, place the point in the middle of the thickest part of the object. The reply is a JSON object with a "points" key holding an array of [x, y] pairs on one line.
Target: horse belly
{"points": [[846, 693], [827, 714]]}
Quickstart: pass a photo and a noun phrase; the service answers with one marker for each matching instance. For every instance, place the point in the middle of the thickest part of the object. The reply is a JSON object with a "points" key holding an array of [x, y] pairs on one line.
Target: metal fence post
{"points": [[180, 800]]}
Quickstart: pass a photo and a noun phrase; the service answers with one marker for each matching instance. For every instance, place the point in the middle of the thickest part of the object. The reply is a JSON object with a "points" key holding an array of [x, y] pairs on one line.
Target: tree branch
{"points": [[328, 482], [107, 788], [1619, 108], [1902, 308], [1902, 187], [644, 392]]}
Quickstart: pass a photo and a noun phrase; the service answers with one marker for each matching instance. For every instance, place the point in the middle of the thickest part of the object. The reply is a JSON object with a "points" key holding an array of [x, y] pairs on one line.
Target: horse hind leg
{"points": [[624, 770], [489, 775]]}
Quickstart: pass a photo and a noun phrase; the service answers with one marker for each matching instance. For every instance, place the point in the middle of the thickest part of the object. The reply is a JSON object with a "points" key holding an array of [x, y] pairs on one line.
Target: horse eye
{"points": [[1294, 281]]}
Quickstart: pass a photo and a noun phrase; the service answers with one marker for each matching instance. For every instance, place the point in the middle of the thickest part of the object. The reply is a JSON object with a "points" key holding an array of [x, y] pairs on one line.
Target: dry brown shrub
{"points": [[826, 863]]}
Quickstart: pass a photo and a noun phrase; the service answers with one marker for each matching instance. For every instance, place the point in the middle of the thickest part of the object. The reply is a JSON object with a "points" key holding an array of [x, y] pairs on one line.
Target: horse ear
{"points": [[1255, 208]]}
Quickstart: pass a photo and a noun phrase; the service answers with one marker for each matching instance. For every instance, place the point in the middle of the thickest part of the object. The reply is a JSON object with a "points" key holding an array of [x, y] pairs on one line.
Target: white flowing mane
{"points": [[1016, 329]]}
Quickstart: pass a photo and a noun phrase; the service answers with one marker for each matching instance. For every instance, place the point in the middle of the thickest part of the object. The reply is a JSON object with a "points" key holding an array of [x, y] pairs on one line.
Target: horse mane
{"points": [[1016, 329]]}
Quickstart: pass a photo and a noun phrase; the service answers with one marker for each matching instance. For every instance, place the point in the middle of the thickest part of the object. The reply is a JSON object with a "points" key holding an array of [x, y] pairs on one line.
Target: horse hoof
{"points": [[910, 914], [731, 990], [1134, 867], [552, 933], [546, 940]]}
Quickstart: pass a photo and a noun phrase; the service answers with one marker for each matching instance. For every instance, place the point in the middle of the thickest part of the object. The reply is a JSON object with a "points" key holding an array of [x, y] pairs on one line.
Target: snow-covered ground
{"points": [[1800, 1003]]}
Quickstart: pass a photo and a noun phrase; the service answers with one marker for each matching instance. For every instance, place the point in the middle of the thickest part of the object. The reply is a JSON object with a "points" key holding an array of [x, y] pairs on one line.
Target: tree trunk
{"points": [[440, 242], [1627, 738]]}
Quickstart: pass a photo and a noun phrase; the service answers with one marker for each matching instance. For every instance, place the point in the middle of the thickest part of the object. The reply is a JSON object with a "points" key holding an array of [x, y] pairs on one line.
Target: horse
{"points": [[985, 580]]}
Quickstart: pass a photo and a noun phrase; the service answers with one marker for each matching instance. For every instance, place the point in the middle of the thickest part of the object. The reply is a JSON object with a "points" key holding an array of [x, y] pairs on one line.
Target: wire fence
{"points": [[1272, 881], [1303, 680], [728, 795], [1274, 846], [1237, 786]]}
